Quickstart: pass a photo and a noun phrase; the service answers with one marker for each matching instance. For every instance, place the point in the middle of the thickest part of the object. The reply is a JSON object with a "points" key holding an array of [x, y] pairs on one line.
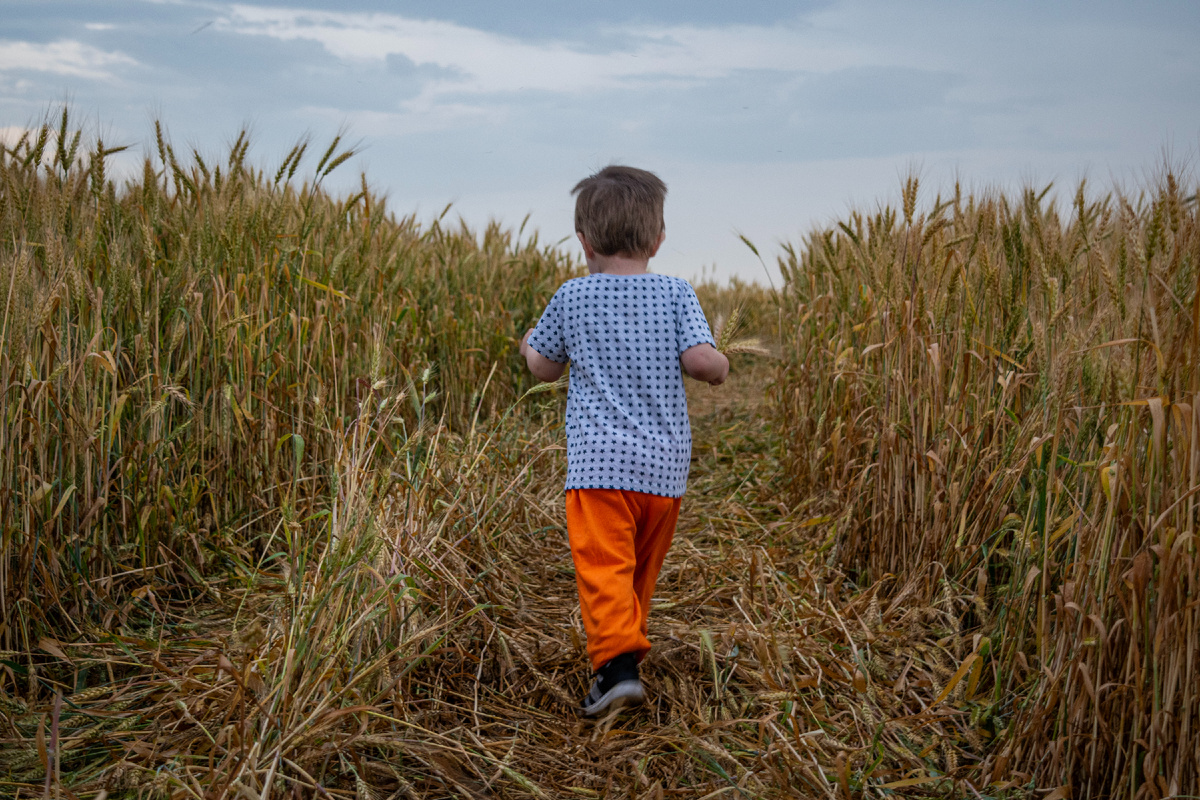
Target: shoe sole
{"points": [[623, 694]]}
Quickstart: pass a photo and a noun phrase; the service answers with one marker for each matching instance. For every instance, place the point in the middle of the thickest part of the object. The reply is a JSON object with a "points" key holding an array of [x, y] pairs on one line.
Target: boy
{"points": [[626, 333]]}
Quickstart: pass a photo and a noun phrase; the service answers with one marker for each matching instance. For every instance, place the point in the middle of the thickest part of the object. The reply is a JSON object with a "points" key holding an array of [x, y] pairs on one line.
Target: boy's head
{"points": [[619, 210]]}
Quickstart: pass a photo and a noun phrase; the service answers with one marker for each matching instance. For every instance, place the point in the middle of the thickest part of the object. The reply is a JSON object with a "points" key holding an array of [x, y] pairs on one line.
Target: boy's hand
{"points": [[525, 342]]}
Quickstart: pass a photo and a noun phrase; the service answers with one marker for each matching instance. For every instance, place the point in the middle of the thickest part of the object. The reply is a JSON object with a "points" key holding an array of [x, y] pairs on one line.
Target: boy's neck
{"points": [[618, 265]]}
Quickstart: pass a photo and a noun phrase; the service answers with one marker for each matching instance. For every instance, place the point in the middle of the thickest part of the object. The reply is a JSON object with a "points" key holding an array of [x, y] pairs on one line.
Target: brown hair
{"points": [[619, 210]]}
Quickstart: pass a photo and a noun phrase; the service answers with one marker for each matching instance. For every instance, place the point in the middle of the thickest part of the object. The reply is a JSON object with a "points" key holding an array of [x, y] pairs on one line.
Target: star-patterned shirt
{"points": [[627, 420]]}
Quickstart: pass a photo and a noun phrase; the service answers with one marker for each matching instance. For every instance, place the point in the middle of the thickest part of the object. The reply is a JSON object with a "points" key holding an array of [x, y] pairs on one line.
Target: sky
{"points": [[765, 118]]}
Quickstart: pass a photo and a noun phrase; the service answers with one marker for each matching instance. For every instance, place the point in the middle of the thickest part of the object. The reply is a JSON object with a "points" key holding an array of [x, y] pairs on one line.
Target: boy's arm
{"points": [[698, 354], [704, 363], [542, 368]]}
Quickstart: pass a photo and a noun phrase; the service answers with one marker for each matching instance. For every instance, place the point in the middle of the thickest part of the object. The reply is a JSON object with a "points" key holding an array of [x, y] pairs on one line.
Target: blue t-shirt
{"points": [[627, 421]]}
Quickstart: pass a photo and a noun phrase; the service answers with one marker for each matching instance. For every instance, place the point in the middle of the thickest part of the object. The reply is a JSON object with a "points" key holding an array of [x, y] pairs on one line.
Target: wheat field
{"points": [[281, 510]]}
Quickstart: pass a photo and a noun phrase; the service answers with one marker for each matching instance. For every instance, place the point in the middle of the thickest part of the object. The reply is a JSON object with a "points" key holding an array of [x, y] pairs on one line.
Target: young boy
{"points": [[629, 336]]}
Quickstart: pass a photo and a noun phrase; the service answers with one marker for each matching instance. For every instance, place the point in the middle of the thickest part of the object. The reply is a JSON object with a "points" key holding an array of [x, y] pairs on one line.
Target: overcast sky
{"points": [[764, 118]]}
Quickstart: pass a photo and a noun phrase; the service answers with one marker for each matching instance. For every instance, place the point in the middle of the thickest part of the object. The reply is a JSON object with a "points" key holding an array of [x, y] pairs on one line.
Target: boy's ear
{"points": [[588, 251], [661, 237]]}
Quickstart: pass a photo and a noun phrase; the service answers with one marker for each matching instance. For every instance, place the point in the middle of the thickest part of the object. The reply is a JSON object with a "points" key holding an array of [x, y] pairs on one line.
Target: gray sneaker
{"points": [[617, 683]]}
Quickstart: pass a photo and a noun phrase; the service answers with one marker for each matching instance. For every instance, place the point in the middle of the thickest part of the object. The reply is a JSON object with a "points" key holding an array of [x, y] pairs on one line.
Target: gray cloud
{"points": [[762, 116], [66, 57]]}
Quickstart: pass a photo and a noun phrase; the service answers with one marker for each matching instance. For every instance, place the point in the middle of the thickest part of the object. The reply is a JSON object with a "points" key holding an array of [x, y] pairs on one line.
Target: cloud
{"points": [[379, 124], [403, 66], [483, 62], [62, 57]]}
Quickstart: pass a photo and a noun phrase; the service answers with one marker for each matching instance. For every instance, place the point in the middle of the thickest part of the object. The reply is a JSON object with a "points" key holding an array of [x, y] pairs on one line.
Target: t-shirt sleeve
{"points": [[691, 326], [547, 337]]}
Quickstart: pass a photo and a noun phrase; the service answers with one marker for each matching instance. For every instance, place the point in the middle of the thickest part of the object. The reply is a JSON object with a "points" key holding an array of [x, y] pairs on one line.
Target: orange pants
{"points": [[618, 541]]}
